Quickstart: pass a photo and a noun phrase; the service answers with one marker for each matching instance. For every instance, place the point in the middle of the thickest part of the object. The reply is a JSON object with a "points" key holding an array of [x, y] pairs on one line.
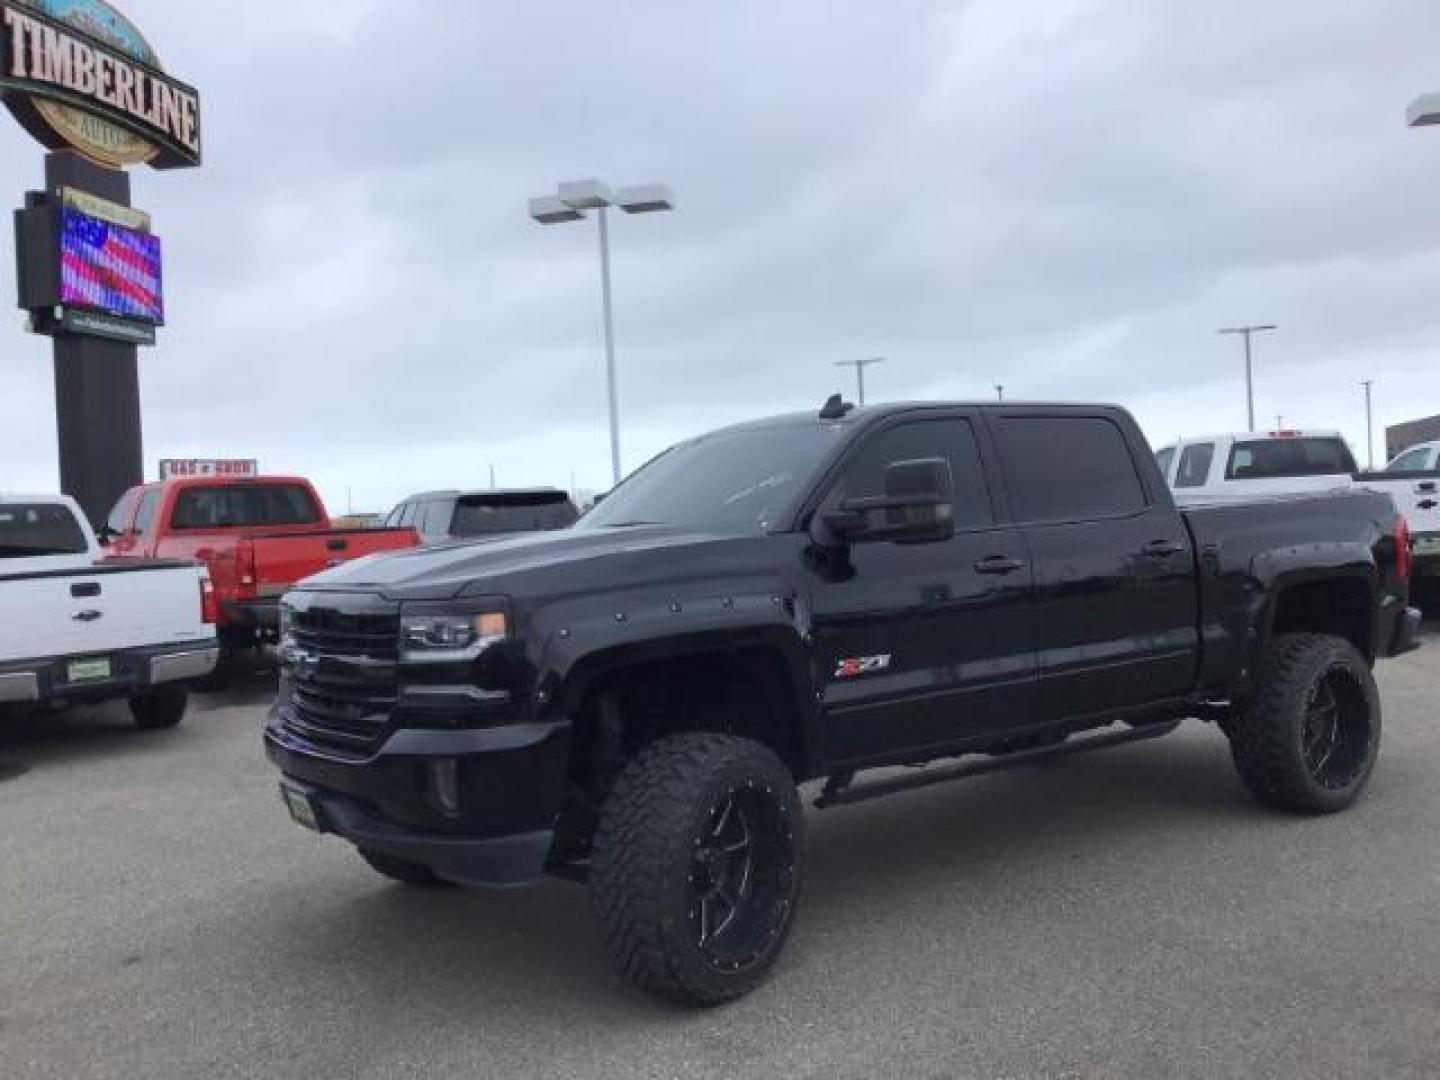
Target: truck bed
{"points": [[1242, 548]]}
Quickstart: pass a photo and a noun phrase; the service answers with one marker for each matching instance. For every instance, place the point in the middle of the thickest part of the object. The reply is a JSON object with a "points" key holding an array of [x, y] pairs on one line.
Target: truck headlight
{"points": [[447, 638]]}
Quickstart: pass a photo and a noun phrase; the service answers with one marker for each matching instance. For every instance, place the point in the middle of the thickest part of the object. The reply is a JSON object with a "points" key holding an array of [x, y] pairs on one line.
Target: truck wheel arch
{"points": [[755, 684]]}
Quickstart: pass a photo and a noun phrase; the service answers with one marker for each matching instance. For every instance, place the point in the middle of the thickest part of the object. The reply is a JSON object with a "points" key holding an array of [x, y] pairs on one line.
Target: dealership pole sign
{"points": [[83, 80], [79, 75]]}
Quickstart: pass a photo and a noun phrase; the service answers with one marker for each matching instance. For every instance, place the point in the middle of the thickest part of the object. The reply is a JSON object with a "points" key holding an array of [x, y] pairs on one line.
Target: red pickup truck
{"points": [[258, 536]]}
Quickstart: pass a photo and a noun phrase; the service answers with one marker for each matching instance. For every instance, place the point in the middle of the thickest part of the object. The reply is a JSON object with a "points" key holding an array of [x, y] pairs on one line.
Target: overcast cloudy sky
{"points": [[1064, 196]]}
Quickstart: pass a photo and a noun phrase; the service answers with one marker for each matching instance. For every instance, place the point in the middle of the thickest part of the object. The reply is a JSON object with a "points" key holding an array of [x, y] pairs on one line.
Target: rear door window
{"points": [[1411, 460], [494, 512], [1195, 465], [28, 530], [1068, 468], [145, 515], [1272, 459], [244, 506], [124, 512]]}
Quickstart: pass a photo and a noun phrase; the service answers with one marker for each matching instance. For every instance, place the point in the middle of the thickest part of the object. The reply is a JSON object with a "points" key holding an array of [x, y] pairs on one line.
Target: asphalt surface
{"points": [[1126, 914]]}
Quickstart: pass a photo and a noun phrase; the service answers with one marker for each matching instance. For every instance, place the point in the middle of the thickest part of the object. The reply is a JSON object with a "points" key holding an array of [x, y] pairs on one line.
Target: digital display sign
{"points": [[109, 267]]}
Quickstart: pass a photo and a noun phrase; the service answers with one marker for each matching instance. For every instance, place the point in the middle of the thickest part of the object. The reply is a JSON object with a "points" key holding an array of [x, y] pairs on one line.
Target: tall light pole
{"points": [[1247, 331], [1369, 425], [860, 366], [999, 391], [569, 203]]}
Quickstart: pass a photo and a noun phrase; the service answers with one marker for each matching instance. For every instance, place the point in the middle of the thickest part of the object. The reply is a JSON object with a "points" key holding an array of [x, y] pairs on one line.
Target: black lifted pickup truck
{"points": [[632, 701]]}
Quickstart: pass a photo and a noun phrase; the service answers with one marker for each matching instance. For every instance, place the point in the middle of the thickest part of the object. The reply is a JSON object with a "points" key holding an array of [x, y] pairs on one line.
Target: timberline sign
{"points": [[78, 75]]}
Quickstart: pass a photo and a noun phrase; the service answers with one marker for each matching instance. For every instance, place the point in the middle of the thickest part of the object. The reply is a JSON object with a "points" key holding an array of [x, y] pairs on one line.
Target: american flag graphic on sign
{"points": [[110, 268]]}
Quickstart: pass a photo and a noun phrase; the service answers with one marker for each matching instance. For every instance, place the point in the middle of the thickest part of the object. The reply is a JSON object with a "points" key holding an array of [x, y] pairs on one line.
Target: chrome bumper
{"points": [[19, 686], [172, 667]]}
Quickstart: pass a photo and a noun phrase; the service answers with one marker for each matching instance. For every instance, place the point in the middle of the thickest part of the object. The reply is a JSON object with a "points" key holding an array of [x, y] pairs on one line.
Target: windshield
{"points": [[1270, 459], [510, 512], [30, 529], [738, 479], [244, 505]]}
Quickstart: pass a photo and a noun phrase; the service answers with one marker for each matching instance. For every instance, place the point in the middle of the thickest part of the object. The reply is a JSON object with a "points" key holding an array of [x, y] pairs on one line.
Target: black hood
{"points": [[543, 564]]}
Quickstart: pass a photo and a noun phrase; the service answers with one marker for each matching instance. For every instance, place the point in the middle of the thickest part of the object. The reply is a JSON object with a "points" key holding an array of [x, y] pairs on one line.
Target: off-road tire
{"points": [[403, 870], [157, 709], [1271, 737], [660, 828]]}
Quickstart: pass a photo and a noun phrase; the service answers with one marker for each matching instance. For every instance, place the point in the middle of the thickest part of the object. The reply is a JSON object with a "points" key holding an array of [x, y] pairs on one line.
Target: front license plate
{"points": [[88, 670], [301, 806]]}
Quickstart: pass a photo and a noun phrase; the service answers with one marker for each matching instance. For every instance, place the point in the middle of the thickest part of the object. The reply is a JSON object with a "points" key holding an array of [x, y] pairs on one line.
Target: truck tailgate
{"points": [[281, 559], [1417, 497], [107, 607]]}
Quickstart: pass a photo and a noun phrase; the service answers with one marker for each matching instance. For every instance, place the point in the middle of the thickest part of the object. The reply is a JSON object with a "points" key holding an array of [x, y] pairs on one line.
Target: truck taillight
{"points": [[1404, 556], [209, 607]]}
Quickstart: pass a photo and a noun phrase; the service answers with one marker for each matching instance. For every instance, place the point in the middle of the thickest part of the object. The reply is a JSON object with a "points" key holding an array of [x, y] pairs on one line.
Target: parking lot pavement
{"points": [[1129, 913]]}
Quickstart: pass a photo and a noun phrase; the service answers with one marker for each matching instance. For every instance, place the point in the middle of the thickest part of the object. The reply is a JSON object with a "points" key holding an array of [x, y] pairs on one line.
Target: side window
{"points": [[120, 517], [1412, 459], [1163, 458], [393, 517], [953, 440], [1195, 465], [1068, 468], [145, 516], [405, 514], [435, 523]]}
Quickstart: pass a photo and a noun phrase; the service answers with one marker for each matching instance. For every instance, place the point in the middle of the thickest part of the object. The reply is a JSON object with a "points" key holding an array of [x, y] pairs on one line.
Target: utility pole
{"points": [[1247, 331], [999, 391], [492, 477], [860, 366], [1369, 426]]}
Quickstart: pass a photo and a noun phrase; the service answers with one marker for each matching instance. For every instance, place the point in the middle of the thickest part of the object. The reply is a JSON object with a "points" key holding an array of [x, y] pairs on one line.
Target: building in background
{"points": [[1400, 436]]}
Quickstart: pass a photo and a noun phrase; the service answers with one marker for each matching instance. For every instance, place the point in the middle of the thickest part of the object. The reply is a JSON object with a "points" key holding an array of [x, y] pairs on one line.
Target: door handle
{"points": [[1427, 504], [999, 564], [1162, 549], [339, 543], [86, 616]]}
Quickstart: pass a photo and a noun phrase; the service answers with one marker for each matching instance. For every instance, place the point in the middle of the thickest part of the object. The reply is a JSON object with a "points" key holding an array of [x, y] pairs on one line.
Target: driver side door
{"points": [[920, 646]]}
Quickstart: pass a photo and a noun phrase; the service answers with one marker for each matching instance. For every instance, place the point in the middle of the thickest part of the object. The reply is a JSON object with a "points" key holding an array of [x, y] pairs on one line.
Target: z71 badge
{"points": [[855, 666]]}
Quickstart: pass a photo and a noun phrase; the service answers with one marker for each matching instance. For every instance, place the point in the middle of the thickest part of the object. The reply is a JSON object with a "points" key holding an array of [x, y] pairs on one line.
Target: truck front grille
{"points": [[341, 672]]}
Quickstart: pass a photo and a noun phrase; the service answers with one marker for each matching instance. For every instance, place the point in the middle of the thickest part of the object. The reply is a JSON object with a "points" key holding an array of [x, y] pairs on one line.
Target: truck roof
{"points": [[226, 481], [34, 497], [859, 413]]}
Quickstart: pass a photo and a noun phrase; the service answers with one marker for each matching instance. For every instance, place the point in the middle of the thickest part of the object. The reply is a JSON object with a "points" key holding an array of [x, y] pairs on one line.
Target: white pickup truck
{"points": [[77, 628], [1257, 465]]}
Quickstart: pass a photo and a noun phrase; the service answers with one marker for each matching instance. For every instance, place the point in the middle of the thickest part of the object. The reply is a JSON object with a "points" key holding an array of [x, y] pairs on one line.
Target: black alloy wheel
{"points": [[696, 870], [1308, 739]]}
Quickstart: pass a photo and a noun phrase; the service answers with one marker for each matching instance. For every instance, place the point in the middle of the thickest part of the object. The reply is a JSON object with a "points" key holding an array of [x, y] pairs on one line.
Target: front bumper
{"points": [[131, 672], [509, 781]]}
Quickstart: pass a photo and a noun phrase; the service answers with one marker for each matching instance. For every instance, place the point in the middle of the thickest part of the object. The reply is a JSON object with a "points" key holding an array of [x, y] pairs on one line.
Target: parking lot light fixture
{"points": [[572, 200], [1424, 111], [1247, 332]]}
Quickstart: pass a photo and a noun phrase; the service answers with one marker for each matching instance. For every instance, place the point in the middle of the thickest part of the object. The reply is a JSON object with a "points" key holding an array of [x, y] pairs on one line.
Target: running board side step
{"points": [[842, 794]]}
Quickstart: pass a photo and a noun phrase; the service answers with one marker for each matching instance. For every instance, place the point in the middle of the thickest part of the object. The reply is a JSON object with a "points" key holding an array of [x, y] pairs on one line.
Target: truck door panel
{"points": [[1115, 581], [920, 645]]}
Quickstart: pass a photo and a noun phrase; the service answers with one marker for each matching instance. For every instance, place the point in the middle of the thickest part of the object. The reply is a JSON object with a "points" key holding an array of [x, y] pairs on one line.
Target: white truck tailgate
{"points": [[70, 613]]}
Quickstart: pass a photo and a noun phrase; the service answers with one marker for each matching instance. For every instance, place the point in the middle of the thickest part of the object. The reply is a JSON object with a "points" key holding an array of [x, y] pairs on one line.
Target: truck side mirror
{"points": [[915, 509], [105, 534]]}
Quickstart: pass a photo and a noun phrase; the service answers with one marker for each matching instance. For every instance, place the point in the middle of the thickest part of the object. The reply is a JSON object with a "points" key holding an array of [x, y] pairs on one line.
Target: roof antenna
{"points": [[835, 408]]}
